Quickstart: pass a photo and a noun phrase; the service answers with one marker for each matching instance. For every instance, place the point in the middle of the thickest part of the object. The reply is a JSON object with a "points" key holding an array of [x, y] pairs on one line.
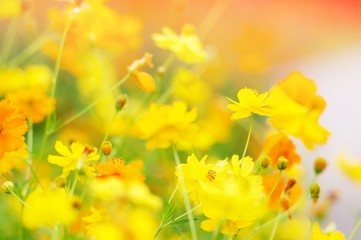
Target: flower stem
{"points": [[354, 230], [20, 200], [248, 137], [274, 229], [89, 107], [185, 197], [275, 185]]}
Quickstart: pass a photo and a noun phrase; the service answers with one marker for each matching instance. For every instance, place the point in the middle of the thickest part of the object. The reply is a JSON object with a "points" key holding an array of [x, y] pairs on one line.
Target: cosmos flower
{"points": [[12, 127]]}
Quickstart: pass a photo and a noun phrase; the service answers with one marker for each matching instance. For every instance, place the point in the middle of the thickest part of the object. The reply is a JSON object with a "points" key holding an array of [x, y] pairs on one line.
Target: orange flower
{"points": [[12, 126], [117, 167], [34, 102], [275, 199], [278, 145]]}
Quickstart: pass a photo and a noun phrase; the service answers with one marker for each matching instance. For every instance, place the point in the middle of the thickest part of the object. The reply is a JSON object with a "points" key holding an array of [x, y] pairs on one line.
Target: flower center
{"points": [[211, 175], [1, 129]]}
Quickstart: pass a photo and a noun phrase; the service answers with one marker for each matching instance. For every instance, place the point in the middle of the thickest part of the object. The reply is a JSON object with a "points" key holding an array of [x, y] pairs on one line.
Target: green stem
{"points": [[281, 217], [29, 142], [89, 107], [20, 200], [248, 137], [58, 233], [185, 196], [180, 216], [72, 188], [274, 229], [354, 230], [28, 51], [9, 38], [54, 82], [275, 185]]}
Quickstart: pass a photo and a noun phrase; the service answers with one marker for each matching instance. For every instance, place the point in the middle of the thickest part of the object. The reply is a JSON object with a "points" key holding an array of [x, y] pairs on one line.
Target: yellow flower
{"points": [[164, 125], [352, 170], [231, 196], [34, 103], [48, 208], [14, 160], [38, 76], [249, 102], [10, 8], [189, 88], [88, 29], [297, 109], [99, 227], [187, 46], [77, 157], [12, 127], [317, 234], [201, 176]]}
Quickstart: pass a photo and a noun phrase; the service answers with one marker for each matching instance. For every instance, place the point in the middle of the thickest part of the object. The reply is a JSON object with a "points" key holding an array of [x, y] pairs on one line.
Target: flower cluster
{"points": [[116, 127]]}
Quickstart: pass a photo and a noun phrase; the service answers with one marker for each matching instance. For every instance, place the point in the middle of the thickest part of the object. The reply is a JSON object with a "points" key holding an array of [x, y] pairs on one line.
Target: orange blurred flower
{"points": [[275, 199], [278, 145], [117, 167], [34, 102], [12, 126]]}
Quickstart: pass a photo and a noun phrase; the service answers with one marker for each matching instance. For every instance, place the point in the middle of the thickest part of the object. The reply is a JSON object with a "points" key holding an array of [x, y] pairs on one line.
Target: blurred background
{"points": [[255, 44]]}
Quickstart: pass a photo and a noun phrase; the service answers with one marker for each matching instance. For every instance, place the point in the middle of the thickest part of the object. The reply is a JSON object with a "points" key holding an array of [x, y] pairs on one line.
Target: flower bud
{"points": [[7, 187], [320, 165], [282, 163], [60, 182], [315, 192], [107, 147], [120, 102], [265, 160]]}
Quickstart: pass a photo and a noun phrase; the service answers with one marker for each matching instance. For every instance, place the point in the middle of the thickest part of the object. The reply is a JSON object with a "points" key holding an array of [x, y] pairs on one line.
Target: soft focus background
{"points": [[257, 43]]}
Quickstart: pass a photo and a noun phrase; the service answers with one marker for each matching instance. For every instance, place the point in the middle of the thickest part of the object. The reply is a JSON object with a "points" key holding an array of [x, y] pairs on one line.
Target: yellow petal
{"points": [[145, 81]]}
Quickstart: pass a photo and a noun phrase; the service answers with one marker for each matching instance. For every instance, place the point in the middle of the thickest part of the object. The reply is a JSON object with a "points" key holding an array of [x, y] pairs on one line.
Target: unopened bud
{"points": [[160, 71], [282, 163], [60, 182], [120, 102], [315, 192], [107, 147], [7, 187], [265, 160], [320, 165]]}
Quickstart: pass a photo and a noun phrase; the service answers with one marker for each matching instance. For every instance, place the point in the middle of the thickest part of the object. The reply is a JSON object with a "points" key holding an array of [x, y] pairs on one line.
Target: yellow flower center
{"points": [[211, 175]]}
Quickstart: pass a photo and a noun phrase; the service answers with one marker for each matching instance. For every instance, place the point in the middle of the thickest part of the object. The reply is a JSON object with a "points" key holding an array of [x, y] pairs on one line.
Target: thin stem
{"points": [[185, 196], [89, 107], [274, 229], [172, 195], [248, 137], [180, 216], [58, 59], [29, 142], [275, 185], [72, 189], [354, 230], [9, 38], [29, 50], [213, 15], [281, 217], [20, 200]]}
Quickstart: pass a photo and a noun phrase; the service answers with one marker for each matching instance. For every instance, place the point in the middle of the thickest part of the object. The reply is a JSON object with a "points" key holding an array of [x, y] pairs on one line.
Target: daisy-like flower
{"points": [[116, 167], [186, 46], [297, 109], [164, 125], [34, 103], [317, 234], [77, 157], [249, 102], [12, 127]]}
